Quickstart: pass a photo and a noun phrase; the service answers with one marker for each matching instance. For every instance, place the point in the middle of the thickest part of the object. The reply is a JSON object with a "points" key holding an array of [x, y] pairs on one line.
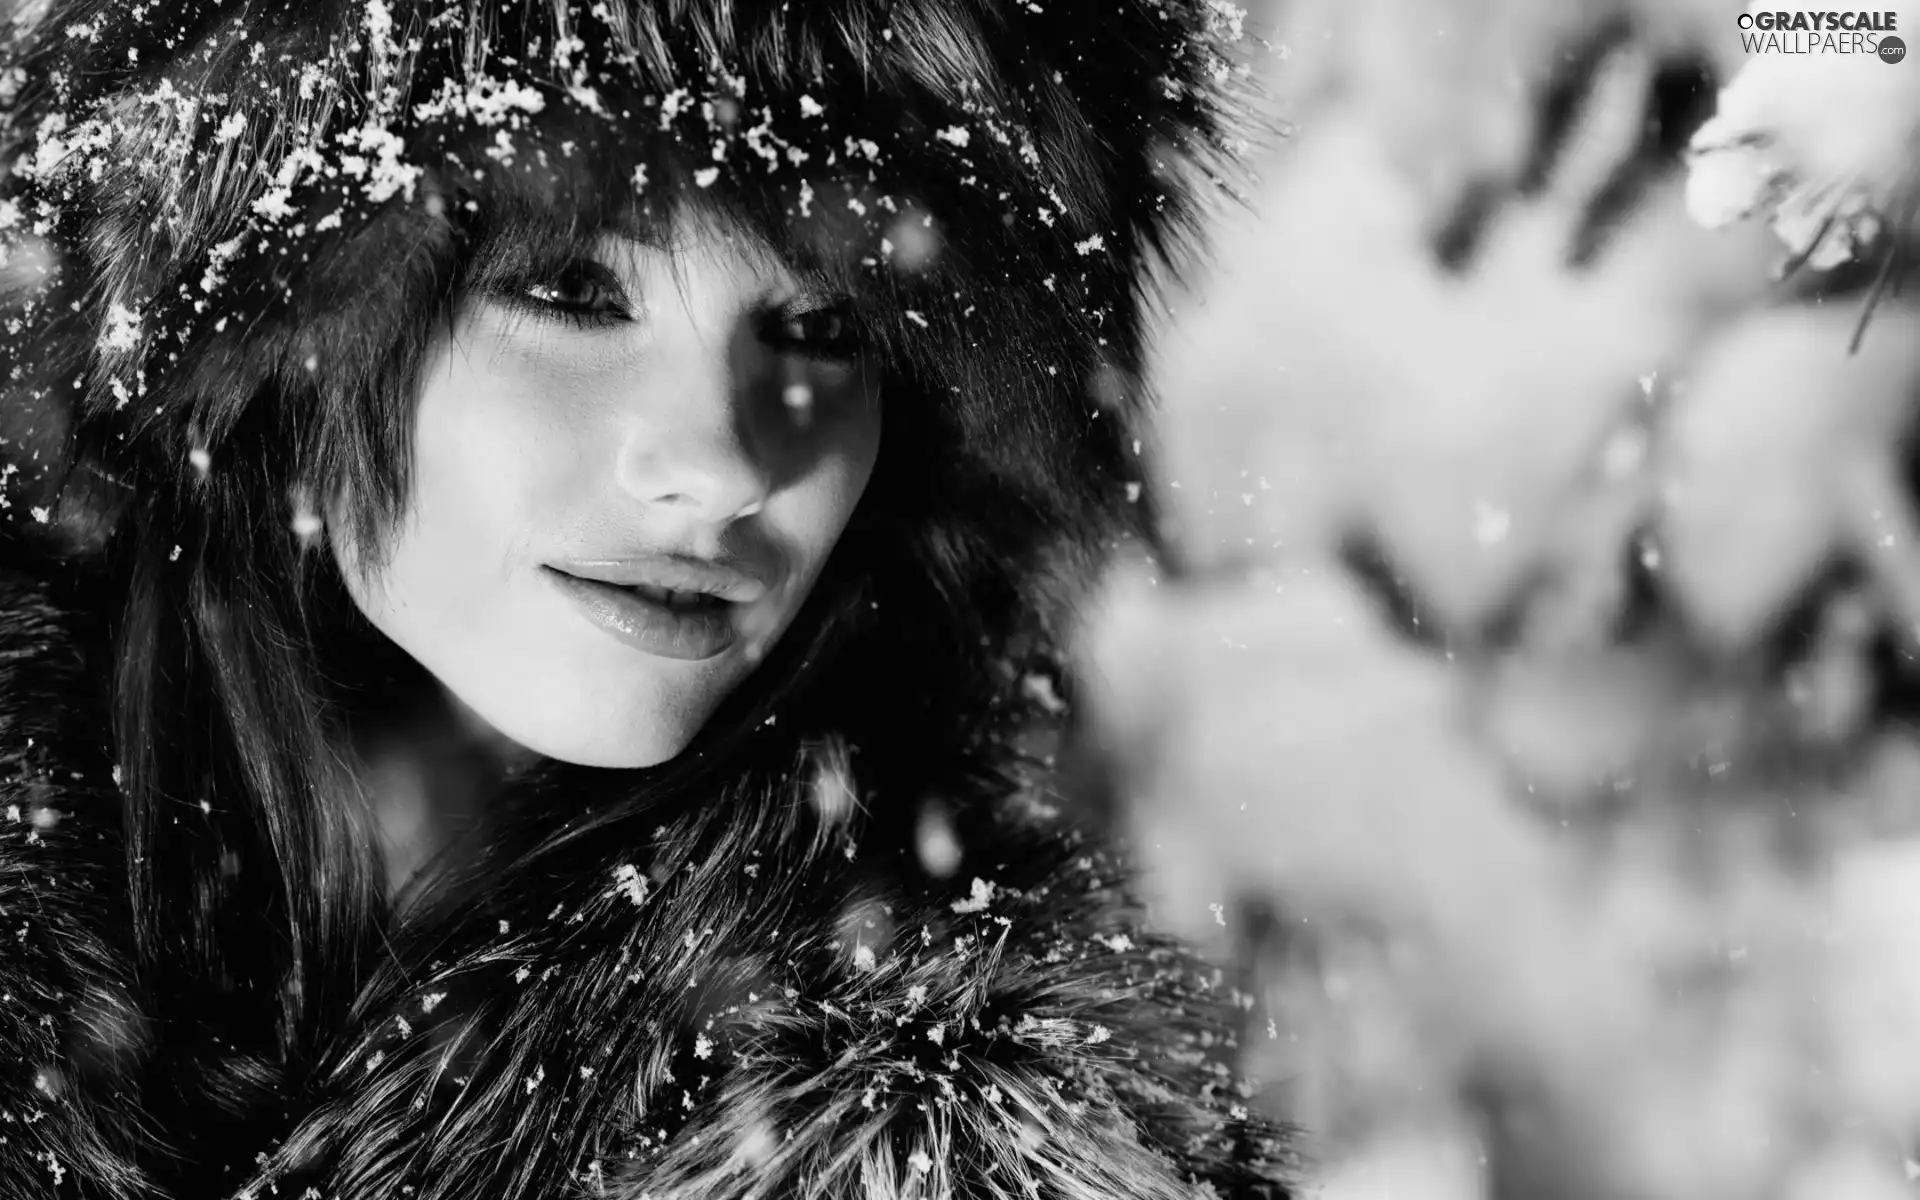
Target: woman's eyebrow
{"points": [[645, 237]]}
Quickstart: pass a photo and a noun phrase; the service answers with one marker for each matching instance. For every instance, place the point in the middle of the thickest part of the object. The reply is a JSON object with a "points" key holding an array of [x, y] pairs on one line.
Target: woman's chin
{"points": [[612, 736]]}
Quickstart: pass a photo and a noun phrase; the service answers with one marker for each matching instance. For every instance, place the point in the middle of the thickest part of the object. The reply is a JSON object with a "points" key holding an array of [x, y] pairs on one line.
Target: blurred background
{"points": [[1529, 720]]}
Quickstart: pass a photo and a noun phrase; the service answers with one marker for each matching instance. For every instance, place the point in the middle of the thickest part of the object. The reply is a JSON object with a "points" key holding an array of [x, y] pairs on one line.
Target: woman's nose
{"points": [[686, 447]]}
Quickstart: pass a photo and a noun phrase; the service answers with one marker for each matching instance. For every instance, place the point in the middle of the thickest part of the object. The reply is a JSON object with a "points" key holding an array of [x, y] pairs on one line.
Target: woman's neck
{"points": [[431, 770]]}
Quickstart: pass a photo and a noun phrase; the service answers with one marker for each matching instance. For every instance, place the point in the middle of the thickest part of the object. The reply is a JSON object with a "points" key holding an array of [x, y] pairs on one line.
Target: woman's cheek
{"points": [[844, 420], [509, 437]]}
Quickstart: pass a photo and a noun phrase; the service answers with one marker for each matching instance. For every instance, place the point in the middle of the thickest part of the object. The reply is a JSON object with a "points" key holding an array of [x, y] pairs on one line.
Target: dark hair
{"points": [[214, 326]]}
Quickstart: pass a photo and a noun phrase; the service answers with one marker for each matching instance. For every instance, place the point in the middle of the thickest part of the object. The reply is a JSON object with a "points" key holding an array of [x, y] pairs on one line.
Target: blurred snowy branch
{"points": [[1535, 714], [1820, 146]]}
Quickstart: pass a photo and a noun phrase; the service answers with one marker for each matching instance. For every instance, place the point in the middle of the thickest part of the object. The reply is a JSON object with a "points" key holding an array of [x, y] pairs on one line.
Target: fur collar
{"points": [[737, 1002]]}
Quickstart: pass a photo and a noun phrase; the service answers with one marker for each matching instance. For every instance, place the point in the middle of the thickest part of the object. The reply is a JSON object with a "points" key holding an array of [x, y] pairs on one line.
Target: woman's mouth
{"points": [[679, 601], [662, 621]]}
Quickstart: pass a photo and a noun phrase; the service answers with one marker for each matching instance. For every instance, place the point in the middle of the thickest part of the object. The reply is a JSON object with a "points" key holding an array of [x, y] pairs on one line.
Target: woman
{"points": [[539, 528]]}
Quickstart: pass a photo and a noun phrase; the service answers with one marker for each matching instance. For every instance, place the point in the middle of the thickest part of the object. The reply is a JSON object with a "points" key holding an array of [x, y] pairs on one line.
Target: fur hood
{"points": [[229, 225], [744, 1000]]}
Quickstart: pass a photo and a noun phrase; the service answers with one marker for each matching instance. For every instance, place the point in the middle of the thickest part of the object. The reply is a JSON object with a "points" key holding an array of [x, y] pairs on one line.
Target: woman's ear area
{"points": [[339, 526]]}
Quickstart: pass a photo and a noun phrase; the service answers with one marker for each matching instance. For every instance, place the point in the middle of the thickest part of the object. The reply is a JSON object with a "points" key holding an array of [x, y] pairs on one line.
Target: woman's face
{"points": [[626, 477]]}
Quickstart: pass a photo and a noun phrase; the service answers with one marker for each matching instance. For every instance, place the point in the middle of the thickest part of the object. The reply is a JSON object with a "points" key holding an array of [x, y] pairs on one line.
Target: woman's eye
{"points": [[821, 332], [585, 292]]}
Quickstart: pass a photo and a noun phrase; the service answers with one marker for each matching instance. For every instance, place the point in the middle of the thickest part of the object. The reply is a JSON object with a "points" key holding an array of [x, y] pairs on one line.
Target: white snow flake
{"points": [[491, 101], [982, 896], [123, 328], [628, 881], [275, 205]]}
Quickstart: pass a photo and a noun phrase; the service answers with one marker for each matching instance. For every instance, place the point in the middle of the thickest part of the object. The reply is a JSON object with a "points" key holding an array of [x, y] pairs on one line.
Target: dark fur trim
{"points": [[71, 1023], [737, 1001], [721, 1013]]}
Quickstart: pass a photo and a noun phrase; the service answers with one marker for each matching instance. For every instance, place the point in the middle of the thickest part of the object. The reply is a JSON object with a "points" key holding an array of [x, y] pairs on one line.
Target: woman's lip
{"points": [[726, 578], [647, 626]]}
